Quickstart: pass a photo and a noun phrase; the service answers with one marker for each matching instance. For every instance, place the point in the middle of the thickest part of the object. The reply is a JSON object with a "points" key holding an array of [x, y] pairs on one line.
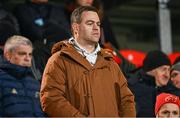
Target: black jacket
{"points": [[144, 89], [170, 88]]}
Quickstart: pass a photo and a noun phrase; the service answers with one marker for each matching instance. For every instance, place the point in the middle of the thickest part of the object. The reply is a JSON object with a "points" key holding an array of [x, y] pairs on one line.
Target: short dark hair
{"points": [[77, 13]]}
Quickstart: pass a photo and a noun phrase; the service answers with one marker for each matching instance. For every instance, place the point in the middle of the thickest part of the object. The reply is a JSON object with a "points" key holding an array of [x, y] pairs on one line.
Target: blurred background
{"points": [[135, 23]]}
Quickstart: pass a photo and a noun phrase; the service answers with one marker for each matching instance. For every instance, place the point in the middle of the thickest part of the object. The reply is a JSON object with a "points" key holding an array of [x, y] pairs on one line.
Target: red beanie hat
{"points": [[164, 98]]}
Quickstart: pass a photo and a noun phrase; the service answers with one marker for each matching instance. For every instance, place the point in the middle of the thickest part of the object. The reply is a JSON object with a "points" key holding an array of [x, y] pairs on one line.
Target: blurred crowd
{"points": [[27, 36]]}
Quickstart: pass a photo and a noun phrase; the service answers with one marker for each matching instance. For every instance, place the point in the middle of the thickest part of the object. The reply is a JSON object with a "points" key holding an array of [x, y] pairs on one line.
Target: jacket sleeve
{"points": [[53, 96], [126, 103]]}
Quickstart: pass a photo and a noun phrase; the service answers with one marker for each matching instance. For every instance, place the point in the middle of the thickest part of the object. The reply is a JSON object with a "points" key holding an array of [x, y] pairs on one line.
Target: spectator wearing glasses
{"points": [[175, 73], [173, 85]]}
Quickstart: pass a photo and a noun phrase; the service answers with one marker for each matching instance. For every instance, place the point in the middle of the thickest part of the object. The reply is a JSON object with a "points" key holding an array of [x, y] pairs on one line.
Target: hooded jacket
{"points": [[71, 86]]}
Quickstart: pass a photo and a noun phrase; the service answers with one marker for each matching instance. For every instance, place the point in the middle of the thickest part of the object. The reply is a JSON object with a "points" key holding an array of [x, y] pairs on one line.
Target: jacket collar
{"points": [[141, 77], [15, 70], [82, 50], [66, 48], [148, 79], [91, 57]]}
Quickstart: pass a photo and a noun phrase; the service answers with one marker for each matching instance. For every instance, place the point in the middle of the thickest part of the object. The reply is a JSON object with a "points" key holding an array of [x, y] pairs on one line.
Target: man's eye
{"points": [[89, 23], [22, 53], [98, 24], [165, 112], [174, 75], [30, 54], [175, 112]]}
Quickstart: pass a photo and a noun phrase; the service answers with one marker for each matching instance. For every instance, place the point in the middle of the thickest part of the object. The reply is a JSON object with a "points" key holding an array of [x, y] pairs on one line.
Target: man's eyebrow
{"points": [[23, 52], [89, 21], [92, 21]]}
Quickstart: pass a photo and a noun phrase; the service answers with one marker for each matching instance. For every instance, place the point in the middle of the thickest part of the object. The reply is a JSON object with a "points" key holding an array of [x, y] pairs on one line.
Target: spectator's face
{"points": [[85, 2], [88, 31], [175, 77], [162, 75], [22, 56], [169, 110]]}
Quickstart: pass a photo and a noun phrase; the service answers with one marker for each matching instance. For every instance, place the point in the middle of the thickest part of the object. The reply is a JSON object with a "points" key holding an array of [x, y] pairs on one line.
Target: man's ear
{"points": [[7, 55], [152, 72], [75, 28]]}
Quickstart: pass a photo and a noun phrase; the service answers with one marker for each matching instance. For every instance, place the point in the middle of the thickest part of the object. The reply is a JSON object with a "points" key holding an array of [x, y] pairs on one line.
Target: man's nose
{"points": [[28, 57], [95, 26], [167, 73]]}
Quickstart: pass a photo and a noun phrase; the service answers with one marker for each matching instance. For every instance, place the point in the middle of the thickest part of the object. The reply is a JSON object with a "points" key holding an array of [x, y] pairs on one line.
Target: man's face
{"points": [[175, 77], [169, 110], [162, 75], [22, 56], [88, 31]]}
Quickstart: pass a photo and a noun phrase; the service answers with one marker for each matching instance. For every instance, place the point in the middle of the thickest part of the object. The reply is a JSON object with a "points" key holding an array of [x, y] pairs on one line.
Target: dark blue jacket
{"points": [[144, 89], [170, 88], [19, 92]]}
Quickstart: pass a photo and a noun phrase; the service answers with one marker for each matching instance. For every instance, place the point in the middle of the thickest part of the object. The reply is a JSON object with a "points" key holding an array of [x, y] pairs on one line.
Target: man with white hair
{"points": [[19, 90]]}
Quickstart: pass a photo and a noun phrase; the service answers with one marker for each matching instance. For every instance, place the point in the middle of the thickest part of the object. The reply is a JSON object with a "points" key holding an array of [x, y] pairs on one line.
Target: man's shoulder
{"points": [[135, 77], [106, 53], [59, 45], [4, 76]]}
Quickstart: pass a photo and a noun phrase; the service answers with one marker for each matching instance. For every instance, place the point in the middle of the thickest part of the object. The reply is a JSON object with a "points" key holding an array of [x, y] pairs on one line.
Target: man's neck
{"points": [[89, 47]]}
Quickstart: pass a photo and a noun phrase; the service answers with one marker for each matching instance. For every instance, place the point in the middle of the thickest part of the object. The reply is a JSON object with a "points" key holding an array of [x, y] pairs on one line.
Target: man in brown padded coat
{"points": [[81, 79]]}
